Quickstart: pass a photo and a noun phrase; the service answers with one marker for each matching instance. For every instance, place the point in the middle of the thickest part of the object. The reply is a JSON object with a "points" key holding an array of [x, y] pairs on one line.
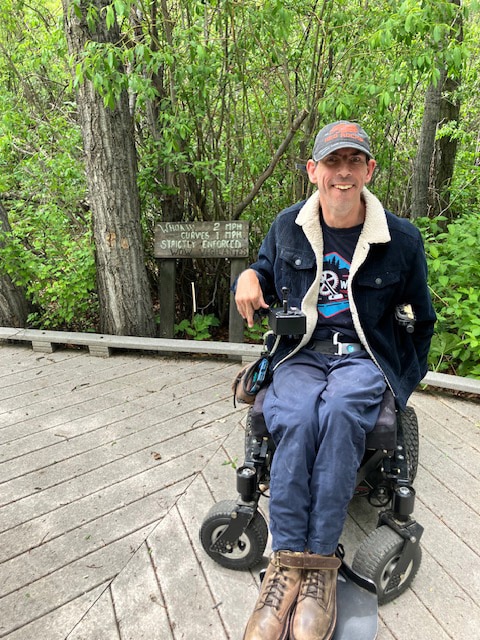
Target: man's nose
{"points": [[344, 168]]}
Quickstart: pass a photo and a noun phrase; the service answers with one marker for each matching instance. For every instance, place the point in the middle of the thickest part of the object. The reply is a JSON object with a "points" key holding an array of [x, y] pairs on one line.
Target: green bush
{"points": [[452, 255], [198, 328]]}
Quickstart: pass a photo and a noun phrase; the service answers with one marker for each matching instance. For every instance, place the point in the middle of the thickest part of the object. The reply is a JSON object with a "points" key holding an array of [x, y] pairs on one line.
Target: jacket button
{"points": [[378, 281], [298, 262]]}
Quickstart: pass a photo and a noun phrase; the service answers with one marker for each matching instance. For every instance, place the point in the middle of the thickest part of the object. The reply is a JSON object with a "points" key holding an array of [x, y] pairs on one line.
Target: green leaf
{"points": [[110, 17]]}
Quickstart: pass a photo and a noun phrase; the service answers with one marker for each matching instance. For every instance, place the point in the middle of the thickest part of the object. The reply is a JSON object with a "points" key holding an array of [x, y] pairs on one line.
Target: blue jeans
{"points": [[318, 410]]}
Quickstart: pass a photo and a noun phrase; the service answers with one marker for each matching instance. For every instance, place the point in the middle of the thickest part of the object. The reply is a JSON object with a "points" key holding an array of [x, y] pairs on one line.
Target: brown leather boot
{"points": [[278, 594], [315, 614]]}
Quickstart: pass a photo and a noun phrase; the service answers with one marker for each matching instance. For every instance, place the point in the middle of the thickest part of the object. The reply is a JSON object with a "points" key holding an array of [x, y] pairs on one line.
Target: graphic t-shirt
{"points": [[333, 303]]}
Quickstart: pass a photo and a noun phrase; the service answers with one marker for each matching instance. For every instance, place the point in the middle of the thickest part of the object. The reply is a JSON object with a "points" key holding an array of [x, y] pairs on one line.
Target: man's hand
{"points": [[249, 295]]}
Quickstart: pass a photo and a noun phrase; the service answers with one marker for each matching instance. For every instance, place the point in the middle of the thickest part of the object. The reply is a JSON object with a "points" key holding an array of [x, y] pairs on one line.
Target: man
{"points": [[347, 263]]}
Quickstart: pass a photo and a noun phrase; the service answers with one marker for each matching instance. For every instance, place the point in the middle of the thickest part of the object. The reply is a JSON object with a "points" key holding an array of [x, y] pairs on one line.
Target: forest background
{"points": [[117, 115]]}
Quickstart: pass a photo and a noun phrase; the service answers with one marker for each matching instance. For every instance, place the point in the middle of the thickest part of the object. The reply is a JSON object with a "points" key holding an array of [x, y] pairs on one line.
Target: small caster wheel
{"points": [[376, 559], [249, 548]]}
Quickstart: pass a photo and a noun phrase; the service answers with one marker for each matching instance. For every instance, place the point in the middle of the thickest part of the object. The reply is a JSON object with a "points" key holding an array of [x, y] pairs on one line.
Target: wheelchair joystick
{"points": [[287, 320], [285, 299], [405, 316]]}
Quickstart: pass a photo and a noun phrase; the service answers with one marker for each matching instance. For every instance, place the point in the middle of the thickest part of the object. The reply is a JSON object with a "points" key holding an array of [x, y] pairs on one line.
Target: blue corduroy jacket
{"points": [[388, 268]]}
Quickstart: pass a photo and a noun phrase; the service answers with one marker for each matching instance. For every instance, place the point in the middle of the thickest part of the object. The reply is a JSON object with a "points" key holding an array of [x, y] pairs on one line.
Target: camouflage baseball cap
{"points": [[339, 135]]}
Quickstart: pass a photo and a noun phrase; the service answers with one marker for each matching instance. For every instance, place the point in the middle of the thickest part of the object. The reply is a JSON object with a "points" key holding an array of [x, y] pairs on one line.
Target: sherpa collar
{"points": [[375, 228]]}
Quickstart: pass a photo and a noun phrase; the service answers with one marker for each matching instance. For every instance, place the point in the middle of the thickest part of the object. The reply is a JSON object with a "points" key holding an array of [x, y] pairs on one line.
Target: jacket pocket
{"points": [[297, 271], [297, 260], [379, 280], [376, 293]]}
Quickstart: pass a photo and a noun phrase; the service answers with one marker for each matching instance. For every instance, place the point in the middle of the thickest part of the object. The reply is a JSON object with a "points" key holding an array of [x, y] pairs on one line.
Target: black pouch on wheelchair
{"points": [[250, 379]]}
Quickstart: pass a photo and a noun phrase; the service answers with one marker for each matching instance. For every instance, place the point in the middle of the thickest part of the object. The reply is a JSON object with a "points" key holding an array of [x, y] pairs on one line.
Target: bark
{"points": [[111, 169], [446, 150], [426, 146], [14, 306], [435, 161]]}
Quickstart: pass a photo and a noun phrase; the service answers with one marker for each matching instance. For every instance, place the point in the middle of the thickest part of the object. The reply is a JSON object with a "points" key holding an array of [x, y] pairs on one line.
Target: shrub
{"points": [[452, 256]]}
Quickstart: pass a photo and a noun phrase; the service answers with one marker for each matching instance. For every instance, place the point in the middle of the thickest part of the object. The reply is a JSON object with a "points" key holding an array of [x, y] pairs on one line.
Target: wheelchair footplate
{"points": [[357, 607]]}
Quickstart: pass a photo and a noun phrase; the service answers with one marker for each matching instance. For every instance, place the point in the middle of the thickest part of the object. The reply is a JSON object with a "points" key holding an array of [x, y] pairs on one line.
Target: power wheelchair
{"points": [[234, 533]]}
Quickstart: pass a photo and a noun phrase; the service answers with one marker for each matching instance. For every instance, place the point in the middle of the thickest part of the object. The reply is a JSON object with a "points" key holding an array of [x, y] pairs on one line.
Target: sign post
{"points": [[219, 239]]}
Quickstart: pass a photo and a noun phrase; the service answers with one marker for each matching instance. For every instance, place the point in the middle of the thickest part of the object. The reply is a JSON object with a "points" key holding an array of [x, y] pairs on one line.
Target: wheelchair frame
{"points": [[235, 533]]}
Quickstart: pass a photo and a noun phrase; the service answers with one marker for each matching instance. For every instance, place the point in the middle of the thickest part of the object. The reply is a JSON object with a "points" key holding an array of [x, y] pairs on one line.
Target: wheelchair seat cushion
{"points": [[383, 435]]}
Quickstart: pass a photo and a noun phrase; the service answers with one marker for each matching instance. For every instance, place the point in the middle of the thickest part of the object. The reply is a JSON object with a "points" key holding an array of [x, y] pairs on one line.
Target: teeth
{"points": [[344, 187]]}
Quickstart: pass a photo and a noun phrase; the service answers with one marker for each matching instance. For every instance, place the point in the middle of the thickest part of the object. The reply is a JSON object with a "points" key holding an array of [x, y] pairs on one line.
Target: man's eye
{"points": [[355, 159]]}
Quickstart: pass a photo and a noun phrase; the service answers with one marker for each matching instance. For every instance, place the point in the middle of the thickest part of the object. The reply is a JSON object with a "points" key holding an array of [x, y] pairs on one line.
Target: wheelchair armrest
{"points": [[258, 427], [384, 433]]}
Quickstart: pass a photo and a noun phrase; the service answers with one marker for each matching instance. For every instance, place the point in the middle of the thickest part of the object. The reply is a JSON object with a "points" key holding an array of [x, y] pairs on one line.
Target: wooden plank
{"points": [[468, 385], [455, 560], [166, 293], [236, 325], [407, 618], [212, 239], [233, 592], [456, 415], [97, 469], [44, 409], [141, 400], [45, 527], [37, 598], [167, 345], [98, 622], [192, 610], [56, 624], [140, 609]]}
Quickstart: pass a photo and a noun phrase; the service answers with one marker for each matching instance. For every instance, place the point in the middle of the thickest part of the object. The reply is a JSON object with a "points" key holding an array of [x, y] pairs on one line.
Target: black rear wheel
{"points": [[378, 556], [409, 425]]}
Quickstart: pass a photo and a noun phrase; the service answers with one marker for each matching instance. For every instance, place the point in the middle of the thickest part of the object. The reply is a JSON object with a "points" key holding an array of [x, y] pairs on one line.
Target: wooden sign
{"points": [[226, 239]]}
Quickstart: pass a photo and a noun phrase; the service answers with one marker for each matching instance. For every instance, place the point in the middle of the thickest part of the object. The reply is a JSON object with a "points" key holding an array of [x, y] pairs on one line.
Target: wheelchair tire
{"points": [[376, 559], [409, 425], [251, 545]]}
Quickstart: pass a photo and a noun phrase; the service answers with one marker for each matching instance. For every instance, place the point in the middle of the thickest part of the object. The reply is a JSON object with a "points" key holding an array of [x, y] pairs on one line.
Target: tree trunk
{"points": [[111, 169], [446, 150], [426, 146], [14, 306], [435, 161]]}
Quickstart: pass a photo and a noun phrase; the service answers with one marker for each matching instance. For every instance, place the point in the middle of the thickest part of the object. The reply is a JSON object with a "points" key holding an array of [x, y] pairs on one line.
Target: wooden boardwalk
{"points": [[108, 466]]}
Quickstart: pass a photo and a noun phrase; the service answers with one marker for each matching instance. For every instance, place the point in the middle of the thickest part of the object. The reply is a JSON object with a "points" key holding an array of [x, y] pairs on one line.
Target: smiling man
{"points": [[347, 263]]}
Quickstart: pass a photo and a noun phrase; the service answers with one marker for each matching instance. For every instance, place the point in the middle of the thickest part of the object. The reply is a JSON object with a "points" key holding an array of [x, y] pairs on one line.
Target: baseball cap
{"points": [[339, 135]]}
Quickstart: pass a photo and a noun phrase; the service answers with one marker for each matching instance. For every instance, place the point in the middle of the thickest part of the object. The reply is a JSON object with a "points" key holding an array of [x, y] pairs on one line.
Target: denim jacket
{"points": [[388, 268]]}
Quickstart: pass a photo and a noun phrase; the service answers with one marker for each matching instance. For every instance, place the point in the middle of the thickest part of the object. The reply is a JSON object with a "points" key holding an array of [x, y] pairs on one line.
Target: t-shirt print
{"points": [[333, 295]]}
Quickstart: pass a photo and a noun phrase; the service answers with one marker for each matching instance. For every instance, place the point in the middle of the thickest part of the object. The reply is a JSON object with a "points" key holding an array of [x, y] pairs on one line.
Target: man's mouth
{"points": [[344, 187]]}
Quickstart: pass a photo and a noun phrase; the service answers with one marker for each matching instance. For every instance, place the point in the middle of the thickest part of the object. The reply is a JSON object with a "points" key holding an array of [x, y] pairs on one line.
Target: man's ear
{"points": [[371, 164], [311, 166]]}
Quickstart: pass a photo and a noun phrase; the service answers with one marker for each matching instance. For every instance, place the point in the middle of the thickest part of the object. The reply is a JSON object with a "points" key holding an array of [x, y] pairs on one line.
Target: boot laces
{"points": [[314, 584], [275, 589]]}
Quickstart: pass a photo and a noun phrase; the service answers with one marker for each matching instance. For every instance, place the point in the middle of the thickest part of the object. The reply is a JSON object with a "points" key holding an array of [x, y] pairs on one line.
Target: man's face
{"points": [[340, 178]]}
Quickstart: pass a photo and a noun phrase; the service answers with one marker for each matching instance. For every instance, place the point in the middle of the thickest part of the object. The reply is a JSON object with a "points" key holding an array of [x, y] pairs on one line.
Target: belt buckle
{"points": [[338, 344], [343, 348]]}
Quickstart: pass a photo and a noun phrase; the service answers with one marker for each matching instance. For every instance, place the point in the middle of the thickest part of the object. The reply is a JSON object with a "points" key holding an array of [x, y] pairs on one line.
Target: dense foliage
{"points": [[216, 88]]}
